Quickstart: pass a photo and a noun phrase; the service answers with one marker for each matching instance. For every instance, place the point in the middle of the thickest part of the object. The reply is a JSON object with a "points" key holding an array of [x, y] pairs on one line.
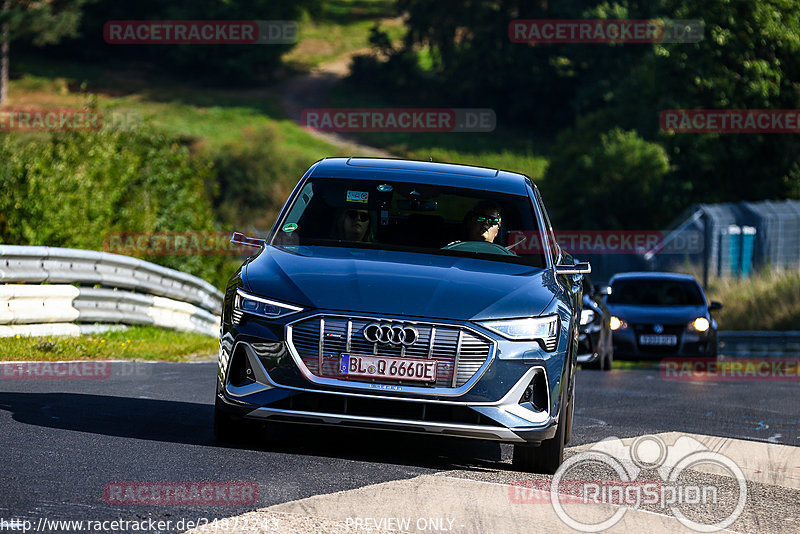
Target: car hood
{"points": [[657, 314], [399, 283]]}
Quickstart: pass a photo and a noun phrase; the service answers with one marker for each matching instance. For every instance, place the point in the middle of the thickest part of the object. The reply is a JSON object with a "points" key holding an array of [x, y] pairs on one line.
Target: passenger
{"points": [[353, 225], [483, 222]]}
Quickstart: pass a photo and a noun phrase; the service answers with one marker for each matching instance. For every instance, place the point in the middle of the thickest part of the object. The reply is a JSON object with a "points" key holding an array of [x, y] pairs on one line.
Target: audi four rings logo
{"points": [[394, 334]]}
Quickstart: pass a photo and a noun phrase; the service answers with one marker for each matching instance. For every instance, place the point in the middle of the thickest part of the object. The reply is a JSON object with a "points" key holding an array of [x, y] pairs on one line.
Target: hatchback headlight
{"points": [[701, 324], [541, 329], [616, 323], [247, 303]]}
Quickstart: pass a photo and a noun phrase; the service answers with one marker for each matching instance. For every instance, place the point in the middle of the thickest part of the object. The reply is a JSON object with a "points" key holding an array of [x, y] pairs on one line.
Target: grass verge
{"points": [[766, 301], [135, 343]]}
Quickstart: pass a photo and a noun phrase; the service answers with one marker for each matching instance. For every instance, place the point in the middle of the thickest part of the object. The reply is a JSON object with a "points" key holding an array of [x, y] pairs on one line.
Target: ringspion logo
{"points": [[675, 490]]}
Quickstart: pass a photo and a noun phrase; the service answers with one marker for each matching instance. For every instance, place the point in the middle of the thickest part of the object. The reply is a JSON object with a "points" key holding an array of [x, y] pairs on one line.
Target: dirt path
{"points": [[311, 91]]}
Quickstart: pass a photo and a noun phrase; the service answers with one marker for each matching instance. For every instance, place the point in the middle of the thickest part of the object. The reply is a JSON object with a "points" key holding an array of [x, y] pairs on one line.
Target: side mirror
{"points": [[578, 268], [602, 290], [241, 239], [714, 306]]}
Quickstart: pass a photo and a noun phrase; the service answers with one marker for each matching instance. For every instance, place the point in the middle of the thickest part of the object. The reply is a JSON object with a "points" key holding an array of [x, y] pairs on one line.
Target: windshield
{"points": [[656, 292], [414, 217]]}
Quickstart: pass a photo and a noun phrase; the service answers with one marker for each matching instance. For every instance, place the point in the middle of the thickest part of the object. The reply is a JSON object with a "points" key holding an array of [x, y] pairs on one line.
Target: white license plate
{"points": [[658, 340], [357, 366]]}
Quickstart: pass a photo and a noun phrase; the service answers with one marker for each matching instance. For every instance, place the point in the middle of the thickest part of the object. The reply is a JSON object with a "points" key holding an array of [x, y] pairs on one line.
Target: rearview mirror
{"points": [[241, 239], [579, 268], [714, 306]]}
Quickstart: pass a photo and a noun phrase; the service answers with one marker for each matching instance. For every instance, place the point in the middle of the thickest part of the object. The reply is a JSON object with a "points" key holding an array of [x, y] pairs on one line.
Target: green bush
{"points": [[74, 189], [254, 176]]}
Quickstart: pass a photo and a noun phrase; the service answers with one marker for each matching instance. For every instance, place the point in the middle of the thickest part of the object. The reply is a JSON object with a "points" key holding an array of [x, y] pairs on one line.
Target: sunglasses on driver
{"points": [[358, 215], [483, 218]]}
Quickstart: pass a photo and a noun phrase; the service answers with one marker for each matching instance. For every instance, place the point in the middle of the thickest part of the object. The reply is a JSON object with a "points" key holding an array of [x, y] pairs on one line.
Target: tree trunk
{"points": [[4, 45]]}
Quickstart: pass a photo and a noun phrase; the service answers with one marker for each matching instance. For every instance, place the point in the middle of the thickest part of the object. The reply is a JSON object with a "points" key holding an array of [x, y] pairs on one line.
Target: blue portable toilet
{"points": [[748, 240]]}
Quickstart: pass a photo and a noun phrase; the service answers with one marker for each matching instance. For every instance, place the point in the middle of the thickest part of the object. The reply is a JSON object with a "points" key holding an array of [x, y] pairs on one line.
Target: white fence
{"points": [[38, 296]]}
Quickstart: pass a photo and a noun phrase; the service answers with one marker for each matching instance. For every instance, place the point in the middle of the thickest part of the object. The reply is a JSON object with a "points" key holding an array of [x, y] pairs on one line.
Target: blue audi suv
{"points": [[407, 296]]}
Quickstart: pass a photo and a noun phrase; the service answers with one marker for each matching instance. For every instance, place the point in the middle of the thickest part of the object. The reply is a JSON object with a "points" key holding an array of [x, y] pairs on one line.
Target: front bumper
{"points": [[259, 378], [689, 344]]}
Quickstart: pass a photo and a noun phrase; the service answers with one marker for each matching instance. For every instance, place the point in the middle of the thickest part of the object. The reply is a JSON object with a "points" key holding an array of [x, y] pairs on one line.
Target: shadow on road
{"points": [[191, 424]]}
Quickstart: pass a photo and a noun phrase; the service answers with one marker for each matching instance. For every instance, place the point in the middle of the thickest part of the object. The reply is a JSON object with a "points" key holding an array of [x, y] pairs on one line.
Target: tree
{"points": [[610, 181], [44, 21]]}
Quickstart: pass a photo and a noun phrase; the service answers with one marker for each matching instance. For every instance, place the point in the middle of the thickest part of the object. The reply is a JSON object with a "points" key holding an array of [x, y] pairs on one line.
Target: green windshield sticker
{"points": [[291, 227], [357, 196]]}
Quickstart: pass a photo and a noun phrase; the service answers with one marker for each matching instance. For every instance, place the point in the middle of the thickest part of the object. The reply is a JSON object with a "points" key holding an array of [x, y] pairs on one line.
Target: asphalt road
{"points": [[64, 441]]}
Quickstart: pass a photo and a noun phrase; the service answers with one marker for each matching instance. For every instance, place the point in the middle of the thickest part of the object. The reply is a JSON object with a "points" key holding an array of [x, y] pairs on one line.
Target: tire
{"points": [[568, 429], [609, 356], [597, 364], [547, 457]]}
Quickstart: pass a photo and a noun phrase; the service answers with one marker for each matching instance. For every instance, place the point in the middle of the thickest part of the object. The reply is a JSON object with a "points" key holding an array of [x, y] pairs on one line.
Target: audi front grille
{"points": [[320, 340]]}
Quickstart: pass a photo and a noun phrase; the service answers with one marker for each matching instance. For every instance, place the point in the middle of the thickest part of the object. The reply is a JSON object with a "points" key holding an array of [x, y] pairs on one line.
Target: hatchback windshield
{"points": [[414, 217], [656, 292]]}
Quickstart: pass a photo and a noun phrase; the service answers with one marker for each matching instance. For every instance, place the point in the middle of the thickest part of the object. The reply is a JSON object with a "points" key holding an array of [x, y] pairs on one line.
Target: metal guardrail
{"points": [[68, 265], [134, 292], [740, 344]]}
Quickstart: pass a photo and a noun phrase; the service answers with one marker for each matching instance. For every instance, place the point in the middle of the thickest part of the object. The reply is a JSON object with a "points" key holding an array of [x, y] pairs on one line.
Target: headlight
{"points": [[587, 316], [247, 303], [701, 324], [541, 329], [616, 323]]}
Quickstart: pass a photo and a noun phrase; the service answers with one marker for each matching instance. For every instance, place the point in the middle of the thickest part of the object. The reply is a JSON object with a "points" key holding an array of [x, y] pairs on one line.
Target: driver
{"points": [[353, 225], [483, 222]]}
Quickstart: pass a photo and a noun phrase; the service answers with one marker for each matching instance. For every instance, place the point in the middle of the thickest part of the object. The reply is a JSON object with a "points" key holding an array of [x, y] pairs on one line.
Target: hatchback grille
{"points": [[319, 341]]}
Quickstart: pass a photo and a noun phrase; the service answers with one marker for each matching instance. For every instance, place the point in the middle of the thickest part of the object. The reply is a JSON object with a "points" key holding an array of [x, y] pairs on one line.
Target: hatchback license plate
{"points": [[658, 340], [357, 366]]}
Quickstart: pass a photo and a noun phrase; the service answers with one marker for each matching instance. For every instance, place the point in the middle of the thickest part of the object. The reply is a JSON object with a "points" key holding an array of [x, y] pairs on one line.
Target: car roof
{"points": [[445, 174], [661, 275]]}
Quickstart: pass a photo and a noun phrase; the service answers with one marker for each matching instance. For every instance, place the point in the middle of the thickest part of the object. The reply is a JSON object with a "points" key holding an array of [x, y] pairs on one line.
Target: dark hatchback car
{"points": [[661, 314], [595, 348], [407, 296]]}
